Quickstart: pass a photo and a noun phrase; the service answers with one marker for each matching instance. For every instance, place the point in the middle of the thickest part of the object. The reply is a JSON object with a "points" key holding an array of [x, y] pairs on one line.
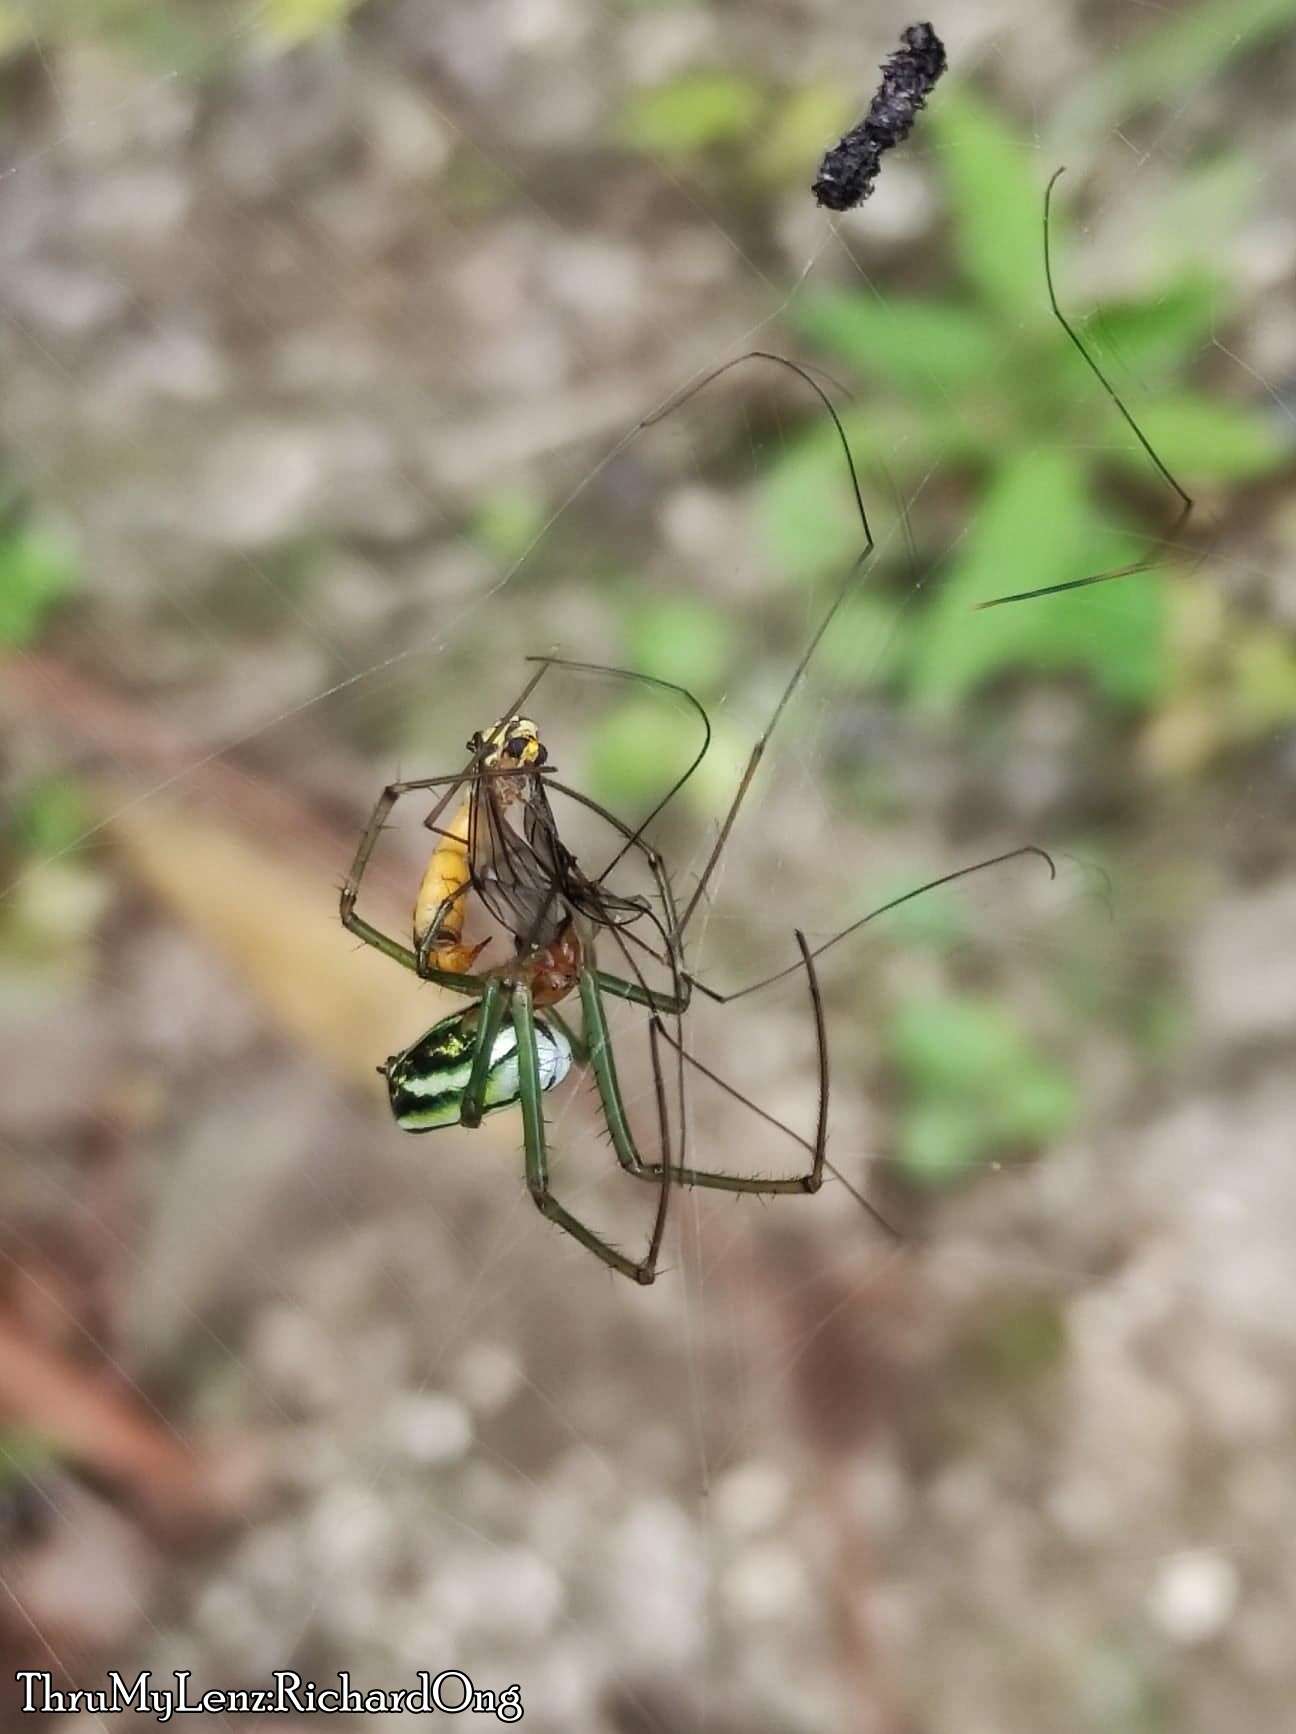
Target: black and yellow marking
{"points": [[428, 1081]]}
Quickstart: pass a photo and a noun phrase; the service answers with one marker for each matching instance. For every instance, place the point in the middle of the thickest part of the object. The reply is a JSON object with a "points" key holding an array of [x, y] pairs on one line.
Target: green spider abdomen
{"points": [[426, 1083]]}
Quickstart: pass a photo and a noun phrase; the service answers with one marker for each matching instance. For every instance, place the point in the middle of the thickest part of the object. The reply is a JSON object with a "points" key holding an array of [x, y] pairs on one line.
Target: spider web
{"points": [[808, 1480]]}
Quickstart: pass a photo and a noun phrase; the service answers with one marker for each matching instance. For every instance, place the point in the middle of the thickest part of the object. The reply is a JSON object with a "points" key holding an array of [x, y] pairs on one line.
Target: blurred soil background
{"points": [[321, 326]]}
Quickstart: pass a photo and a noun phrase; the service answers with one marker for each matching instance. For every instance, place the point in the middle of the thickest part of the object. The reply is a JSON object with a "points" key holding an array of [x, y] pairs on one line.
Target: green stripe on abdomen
{"points": [[426, 1083]]}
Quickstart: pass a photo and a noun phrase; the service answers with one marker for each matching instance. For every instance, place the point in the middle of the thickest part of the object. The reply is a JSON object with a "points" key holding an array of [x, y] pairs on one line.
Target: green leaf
{"points": [[1036, 527], [996, 186], [1210, 439], [681, 639], [37, 570], [690, 115], [931, 347], [1155, 333]]}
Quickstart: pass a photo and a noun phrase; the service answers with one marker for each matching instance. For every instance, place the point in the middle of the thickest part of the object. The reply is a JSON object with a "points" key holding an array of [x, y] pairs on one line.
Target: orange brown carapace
{"points": [[553, 972]]}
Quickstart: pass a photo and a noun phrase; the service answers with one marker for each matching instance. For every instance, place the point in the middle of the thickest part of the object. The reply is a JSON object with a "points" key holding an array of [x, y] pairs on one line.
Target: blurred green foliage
{"points": [[38, 569], [639, 747], [691, 114], [49, 816], [1018, 1341], [974, 1088], [637, 751], [793, 131], [290, 21], [177, 33], [649, 740], [1117, 1691], [684, 639], [507, 523], [24, 1455], [1263, 684], [191, 37], [48, 917]]}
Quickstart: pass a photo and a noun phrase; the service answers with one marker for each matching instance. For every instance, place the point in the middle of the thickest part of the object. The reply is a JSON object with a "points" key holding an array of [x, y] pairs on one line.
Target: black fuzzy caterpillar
{"points": [[848, 171]]}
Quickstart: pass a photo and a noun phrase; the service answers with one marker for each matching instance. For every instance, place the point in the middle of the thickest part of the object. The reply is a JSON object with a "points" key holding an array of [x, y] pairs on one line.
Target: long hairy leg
{"points": [[603, 1062], [537, 1158], [1027, 849], [1185, 499]]}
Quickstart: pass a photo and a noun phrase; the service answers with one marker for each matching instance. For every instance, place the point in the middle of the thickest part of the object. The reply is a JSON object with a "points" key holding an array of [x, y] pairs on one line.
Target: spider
{"points": [[512, 1044]]}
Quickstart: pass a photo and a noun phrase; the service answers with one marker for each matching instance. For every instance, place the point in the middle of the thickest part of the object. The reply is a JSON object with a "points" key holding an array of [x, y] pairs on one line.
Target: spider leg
{"points": [[493, 1006], [857, 567], [882, 909], [356, 924], [473, 765], [670, 1004], [1186, 501], [371, 935], [383, 942], [365, 930], [537, 1160], [633, 840], [434, 933], [758, 751], [604, 1064], [761, 1113], [579, 1047]]}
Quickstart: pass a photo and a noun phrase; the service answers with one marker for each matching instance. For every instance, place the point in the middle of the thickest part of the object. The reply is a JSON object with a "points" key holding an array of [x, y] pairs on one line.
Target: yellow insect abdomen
{"points": [[442, 900]]}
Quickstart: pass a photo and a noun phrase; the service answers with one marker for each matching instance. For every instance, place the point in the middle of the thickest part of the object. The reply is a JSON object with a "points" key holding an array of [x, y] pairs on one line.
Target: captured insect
{"points": [[848, 171], [501, 846]]}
